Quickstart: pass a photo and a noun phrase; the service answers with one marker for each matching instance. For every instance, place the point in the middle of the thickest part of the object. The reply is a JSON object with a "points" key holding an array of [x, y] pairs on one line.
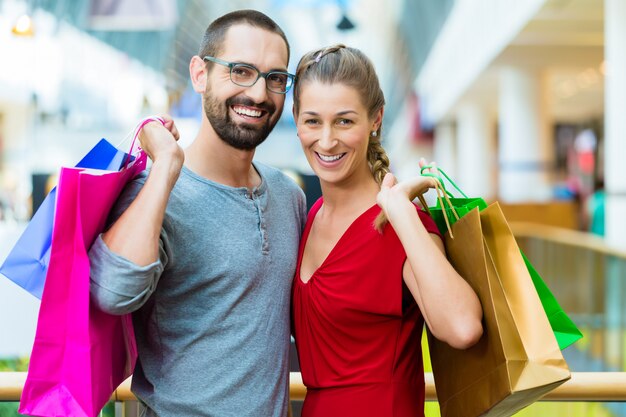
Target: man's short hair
{"points": [[214, 35]]}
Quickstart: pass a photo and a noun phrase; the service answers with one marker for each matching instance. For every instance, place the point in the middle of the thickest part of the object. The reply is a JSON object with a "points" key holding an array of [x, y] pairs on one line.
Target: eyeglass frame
{"points": [[260, 74]]}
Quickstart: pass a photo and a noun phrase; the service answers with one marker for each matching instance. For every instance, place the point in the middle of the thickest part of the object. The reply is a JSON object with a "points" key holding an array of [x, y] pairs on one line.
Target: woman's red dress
{"points": [[357, 327]]}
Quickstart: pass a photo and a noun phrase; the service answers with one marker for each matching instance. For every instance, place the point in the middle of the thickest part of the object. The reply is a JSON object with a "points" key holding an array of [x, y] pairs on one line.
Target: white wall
{"points": [[475, 32]]}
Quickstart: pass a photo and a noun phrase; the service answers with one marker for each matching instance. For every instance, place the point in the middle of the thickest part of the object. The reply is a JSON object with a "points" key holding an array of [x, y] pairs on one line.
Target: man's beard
{"points": [[242, 136]]}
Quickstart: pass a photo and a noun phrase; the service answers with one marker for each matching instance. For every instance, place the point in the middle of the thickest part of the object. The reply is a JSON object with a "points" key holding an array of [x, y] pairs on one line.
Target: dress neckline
{"points": [[305, 237]]}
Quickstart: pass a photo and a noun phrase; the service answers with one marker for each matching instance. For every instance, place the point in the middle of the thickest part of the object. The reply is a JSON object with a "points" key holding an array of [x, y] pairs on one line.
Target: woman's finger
{"points": [[433, 164], [389, 180]]}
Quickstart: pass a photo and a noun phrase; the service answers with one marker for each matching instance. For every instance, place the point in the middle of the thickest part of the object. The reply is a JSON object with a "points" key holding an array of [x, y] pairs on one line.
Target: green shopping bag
{"points": [[564, 329], [462, 206], [450, 209]]}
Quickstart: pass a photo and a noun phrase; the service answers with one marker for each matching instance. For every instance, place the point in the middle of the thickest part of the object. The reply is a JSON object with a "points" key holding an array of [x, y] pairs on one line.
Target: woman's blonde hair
{"points": [[338, 64]]}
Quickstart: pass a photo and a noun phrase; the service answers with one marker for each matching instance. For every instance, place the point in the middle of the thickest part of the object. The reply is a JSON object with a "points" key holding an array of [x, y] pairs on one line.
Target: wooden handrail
{"points": [[566, 237], [584, 386]]}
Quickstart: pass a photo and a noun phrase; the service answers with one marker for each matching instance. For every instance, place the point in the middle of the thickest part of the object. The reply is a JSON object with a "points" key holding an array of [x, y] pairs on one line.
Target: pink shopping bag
{"points": [[80, 354], [27, 263]]}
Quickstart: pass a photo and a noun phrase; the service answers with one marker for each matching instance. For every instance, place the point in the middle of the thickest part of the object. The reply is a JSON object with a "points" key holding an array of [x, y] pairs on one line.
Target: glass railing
{"points": [[587, 276]]}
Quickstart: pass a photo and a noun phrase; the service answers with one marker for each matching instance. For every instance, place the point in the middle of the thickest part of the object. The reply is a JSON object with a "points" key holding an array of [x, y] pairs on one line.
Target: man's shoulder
{"points": [[276, 177]]}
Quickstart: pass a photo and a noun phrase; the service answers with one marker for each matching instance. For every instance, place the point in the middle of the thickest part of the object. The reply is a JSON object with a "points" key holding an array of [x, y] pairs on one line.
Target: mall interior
{"points": [[520, 102]]}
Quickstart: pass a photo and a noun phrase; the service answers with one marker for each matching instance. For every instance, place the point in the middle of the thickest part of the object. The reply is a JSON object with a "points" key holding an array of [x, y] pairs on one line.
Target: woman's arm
{"points": [[450, 307]]}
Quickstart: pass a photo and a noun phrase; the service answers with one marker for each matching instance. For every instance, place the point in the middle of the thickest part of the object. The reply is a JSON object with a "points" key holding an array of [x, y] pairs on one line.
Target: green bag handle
{"points": [[443, 196], [442, 172], [440, 182]]}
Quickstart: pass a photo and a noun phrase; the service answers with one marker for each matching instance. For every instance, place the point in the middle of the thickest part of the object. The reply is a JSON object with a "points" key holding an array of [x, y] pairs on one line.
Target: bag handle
{"points": [[443, 195], [442, 172], [138, 128]]}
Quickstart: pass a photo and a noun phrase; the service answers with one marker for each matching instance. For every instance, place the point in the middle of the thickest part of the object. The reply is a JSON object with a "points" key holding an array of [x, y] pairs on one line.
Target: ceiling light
{"points": [[345, 23], [23, 26]]}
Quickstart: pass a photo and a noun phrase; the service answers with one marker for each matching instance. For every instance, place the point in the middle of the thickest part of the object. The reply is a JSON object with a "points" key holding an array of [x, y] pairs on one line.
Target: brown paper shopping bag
{"points": [[517, 360]]}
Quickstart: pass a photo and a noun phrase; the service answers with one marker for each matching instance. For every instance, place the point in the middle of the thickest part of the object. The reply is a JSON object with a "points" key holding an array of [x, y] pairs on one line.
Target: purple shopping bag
{"points": [[27, 263], [80, 354]]}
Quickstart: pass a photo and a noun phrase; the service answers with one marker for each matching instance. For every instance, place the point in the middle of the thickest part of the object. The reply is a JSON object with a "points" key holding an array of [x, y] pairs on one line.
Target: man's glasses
{"points": [[246, 76]]}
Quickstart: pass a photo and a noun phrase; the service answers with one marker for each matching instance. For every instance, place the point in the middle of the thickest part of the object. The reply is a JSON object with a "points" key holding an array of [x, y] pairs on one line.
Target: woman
{"points": [[362, 293]]}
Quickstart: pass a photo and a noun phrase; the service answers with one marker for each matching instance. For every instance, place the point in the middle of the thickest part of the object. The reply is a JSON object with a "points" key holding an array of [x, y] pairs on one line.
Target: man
{"points": [[204, 249]]}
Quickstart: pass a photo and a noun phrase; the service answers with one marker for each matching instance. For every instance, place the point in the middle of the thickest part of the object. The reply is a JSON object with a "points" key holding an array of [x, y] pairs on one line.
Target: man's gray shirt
{"points": [[211, 316]]}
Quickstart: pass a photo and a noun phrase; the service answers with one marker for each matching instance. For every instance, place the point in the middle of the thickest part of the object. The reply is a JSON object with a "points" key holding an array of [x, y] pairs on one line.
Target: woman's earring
{"points": [[374, 133]]}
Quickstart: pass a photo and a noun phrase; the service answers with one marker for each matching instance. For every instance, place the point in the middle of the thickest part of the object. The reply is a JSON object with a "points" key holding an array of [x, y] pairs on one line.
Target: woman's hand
{"points": [[433, 166], [394, 197]]}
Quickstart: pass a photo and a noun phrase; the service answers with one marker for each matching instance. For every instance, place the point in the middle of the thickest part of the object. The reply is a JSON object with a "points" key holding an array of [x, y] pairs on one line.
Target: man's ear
{"points": [[198, 74]]}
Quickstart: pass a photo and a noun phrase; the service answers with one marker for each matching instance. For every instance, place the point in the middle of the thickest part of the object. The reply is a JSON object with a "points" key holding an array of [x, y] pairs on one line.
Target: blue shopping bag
{"points": [[27, 263]]}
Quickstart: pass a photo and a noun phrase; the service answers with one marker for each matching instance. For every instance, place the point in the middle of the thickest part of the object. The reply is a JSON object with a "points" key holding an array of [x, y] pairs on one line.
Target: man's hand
{"points": [[159, 141], [136, 233]]}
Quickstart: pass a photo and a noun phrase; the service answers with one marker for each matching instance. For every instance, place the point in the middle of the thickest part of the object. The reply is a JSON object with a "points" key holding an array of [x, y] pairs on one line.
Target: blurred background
{"points": [[520, 101]]}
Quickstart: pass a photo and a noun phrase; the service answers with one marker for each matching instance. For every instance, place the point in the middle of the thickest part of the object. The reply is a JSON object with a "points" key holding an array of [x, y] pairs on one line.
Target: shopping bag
{"points": [[517, 360], [27, 263], [462, 206], [449, 208], [563, 327], [80, 354]]}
